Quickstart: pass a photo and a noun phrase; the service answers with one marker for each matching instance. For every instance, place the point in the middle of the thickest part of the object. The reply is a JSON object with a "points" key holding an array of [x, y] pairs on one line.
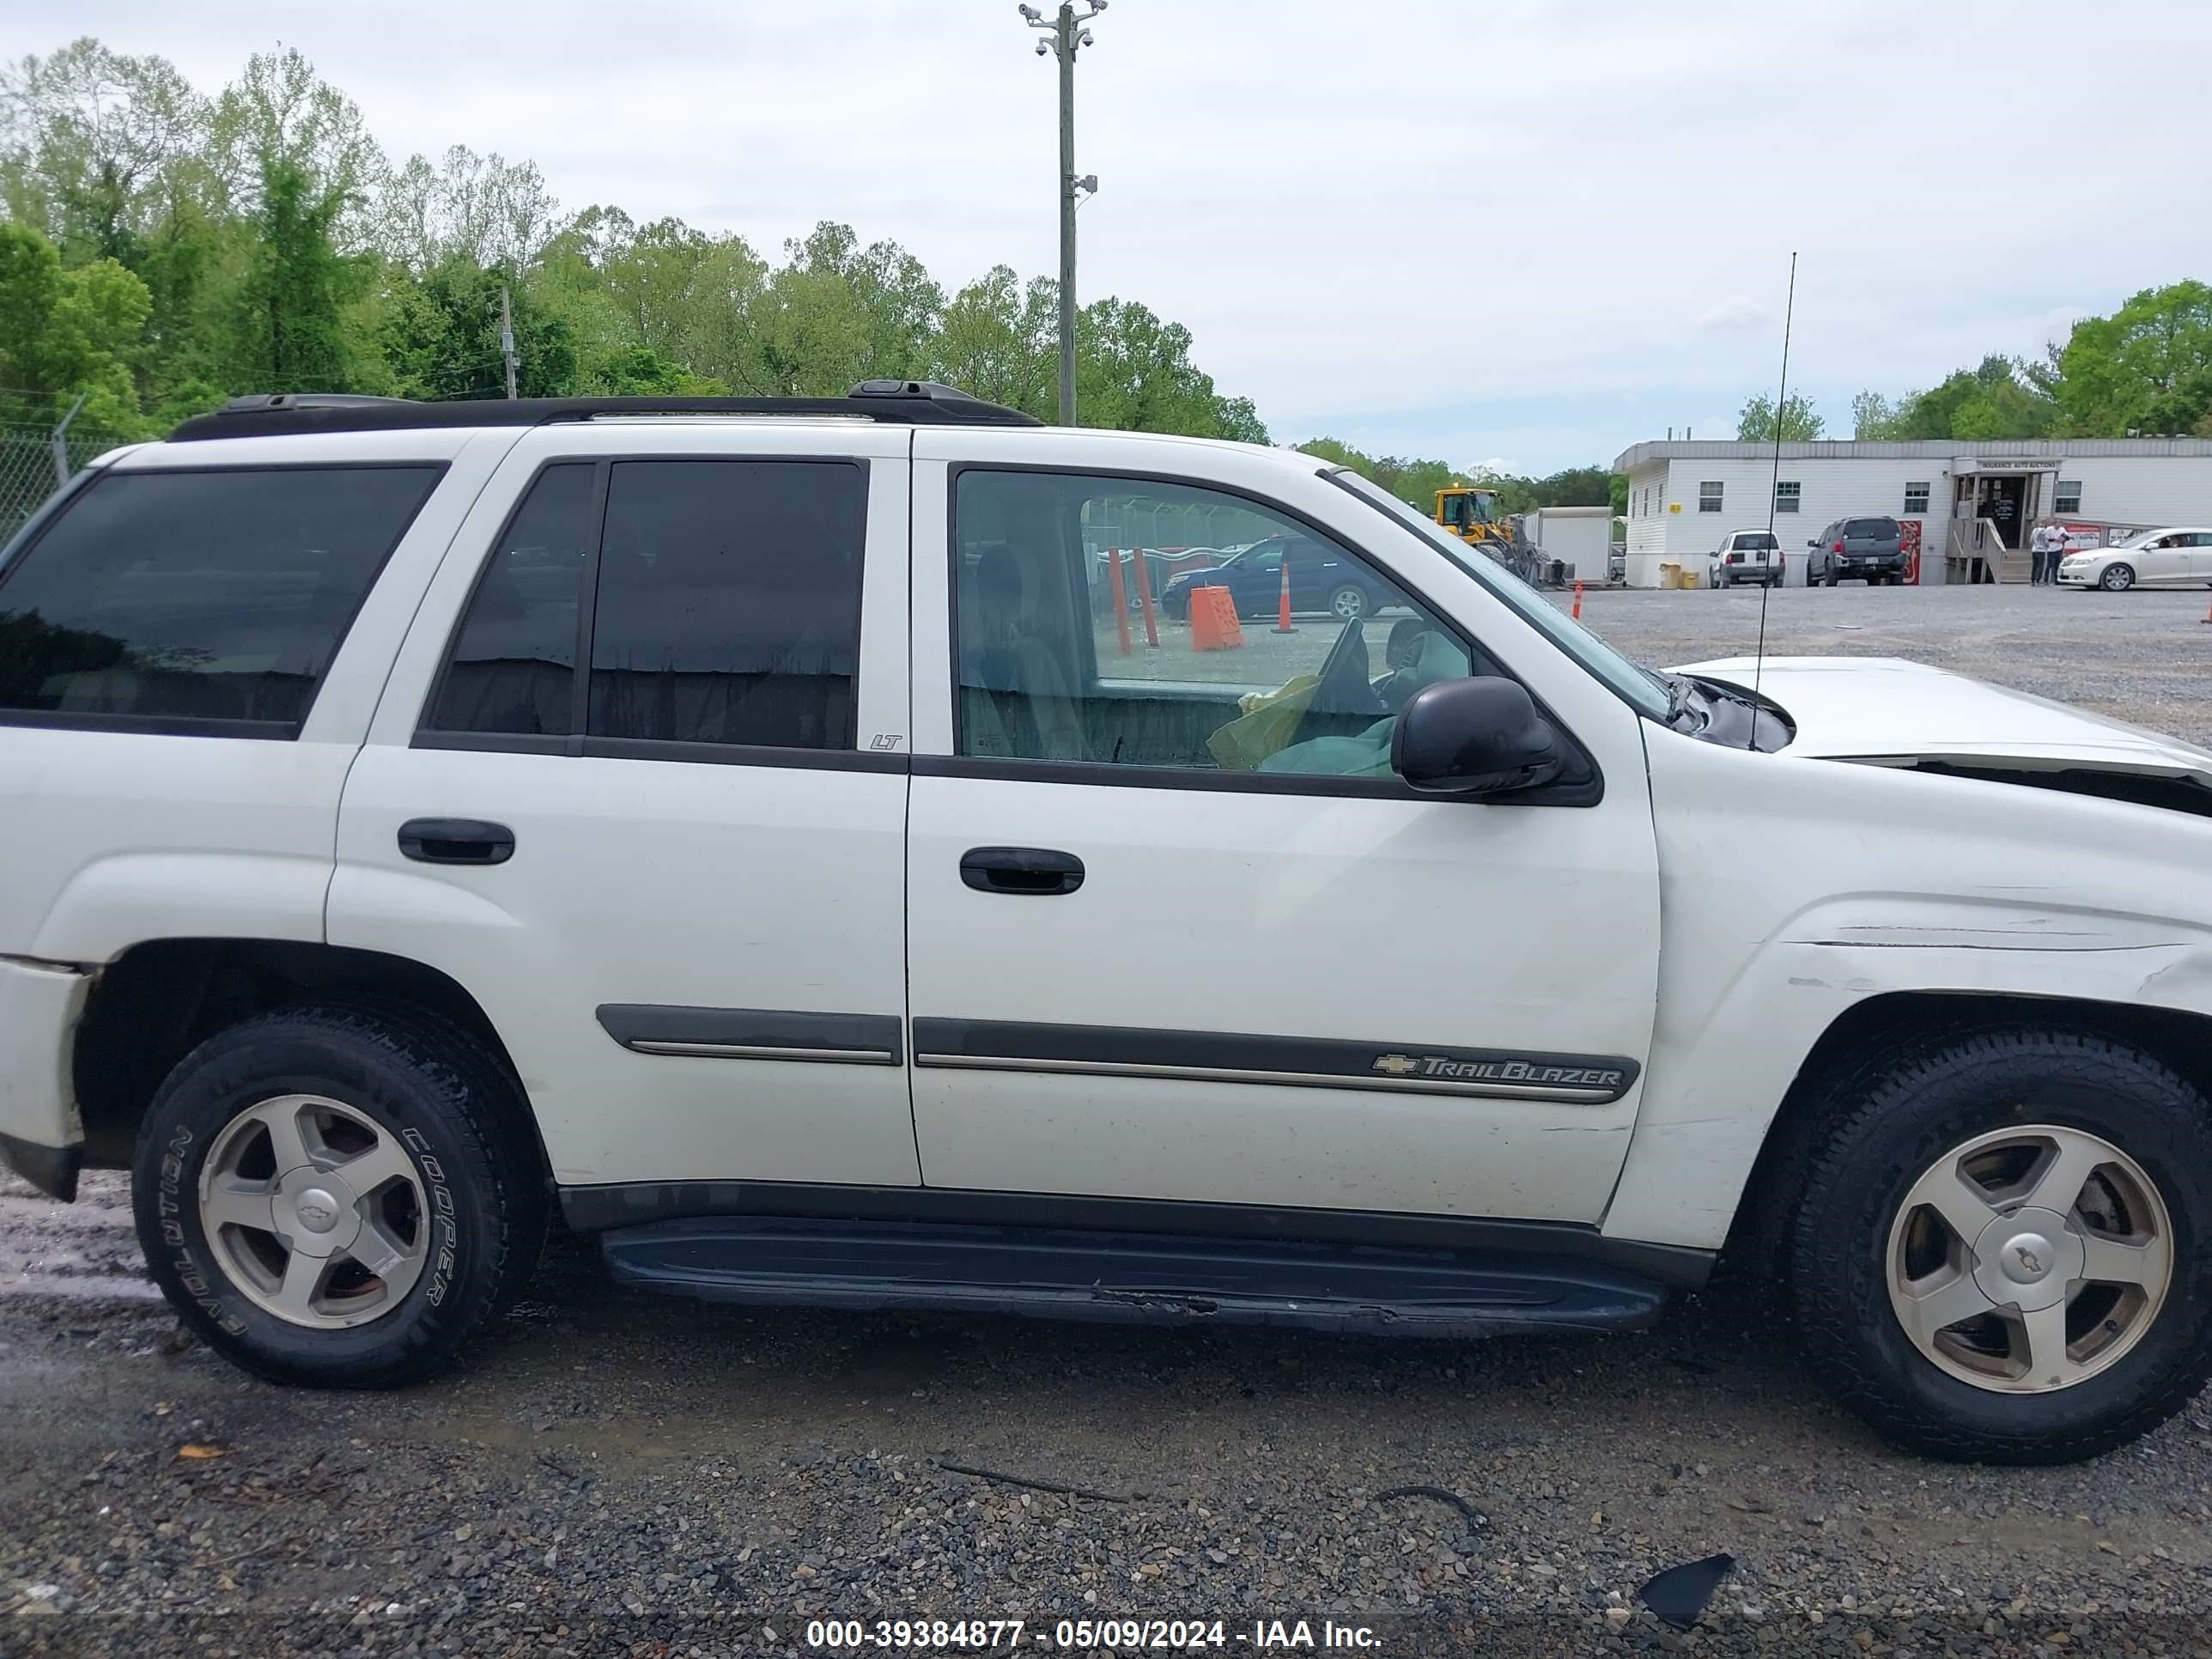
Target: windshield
{"points": [[1639, 687]]}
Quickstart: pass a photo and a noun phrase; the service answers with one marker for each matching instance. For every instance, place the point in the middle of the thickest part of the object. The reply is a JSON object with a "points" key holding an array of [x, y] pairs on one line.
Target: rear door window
{"points": [[729, 603], [198, 600], [513, 668], [721, 599]]}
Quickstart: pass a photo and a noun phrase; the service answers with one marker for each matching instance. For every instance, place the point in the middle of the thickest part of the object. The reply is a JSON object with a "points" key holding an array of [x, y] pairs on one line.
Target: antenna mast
{"points": [[1774, 484]]}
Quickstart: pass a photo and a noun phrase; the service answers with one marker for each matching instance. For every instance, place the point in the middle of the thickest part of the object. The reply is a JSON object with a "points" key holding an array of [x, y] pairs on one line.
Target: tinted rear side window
{"points": [[514, 667], [729, 603], [166, 598]]}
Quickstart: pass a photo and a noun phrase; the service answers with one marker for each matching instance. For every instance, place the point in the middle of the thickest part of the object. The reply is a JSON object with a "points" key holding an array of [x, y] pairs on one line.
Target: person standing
{"points": [[2040, 542]]}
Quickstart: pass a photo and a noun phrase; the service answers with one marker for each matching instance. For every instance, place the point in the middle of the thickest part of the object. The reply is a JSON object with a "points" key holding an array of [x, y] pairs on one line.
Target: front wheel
{"points": [[2001, 1253], [338, 1196], [2118, 578]]}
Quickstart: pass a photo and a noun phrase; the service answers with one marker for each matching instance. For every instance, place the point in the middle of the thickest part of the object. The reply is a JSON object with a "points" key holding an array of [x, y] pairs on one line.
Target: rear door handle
{"points": [[456, 840], [1037, 872]]}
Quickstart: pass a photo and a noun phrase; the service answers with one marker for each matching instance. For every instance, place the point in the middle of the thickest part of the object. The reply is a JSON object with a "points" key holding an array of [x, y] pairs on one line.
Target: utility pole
{"points": [[506, 337], [1066, 36]]}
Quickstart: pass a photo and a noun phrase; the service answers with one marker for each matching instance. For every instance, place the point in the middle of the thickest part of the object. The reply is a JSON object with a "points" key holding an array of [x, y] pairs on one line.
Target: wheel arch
{"points": [[156, 1001], [1874, 1035]]}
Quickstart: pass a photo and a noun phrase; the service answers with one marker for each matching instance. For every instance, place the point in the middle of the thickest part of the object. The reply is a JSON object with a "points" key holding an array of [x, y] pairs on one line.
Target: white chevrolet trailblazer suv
{"points": [[788, 840]]}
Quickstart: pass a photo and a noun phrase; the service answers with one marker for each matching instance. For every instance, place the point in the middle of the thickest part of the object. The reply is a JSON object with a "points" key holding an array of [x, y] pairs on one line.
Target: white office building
{"points": [[1965, 508]]}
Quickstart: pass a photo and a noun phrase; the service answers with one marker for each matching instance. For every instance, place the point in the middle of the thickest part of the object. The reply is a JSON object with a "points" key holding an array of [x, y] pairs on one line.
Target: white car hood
{"points": [[1885, 708]]}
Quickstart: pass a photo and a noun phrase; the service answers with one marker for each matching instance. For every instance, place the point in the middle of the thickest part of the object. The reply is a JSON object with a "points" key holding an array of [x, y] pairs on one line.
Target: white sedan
{"points": [[2174, 557]]}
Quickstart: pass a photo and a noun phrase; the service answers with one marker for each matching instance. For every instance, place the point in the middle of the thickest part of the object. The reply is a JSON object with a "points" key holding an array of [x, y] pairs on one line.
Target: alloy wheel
{"points": [[315, 1211], [2029, 1260]]}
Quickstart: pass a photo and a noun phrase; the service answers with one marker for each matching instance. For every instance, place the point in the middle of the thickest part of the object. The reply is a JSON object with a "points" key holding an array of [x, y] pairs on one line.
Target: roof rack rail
{"points": [[913, 403]]}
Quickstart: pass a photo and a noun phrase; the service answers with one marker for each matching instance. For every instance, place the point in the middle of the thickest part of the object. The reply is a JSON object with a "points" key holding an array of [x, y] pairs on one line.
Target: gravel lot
{"points": [[633, 1475]]}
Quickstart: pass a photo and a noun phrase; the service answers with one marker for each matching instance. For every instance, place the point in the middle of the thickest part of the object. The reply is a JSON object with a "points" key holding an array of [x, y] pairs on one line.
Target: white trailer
{"points": [[1580, 535]]}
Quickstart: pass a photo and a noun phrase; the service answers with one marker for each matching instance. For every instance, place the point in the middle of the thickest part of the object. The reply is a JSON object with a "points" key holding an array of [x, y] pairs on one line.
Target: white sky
{"points": [[1525, 234]]}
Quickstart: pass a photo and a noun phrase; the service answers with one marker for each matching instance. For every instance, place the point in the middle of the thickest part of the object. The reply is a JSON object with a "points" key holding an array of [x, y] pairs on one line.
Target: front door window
{"points": [[1044, 673]]}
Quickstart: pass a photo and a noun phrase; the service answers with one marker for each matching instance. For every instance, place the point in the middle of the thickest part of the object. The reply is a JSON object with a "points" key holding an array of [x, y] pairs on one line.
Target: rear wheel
{"points": [[2001, 1251], [1349, 604], [338, 1196], [2118, 578]]}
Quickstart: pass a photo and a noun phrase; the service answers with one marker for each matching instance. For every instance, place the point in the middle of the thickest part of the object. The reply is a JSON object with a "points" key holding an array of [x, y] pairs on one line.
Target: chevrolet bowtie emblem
{"points": [[1396, 1065]]}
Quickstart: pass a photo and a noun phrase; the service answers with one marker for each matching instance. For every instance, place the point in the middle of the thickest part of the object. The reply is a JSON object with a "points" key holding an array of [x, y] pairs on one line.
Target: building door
{"points": [[2003, 503]]}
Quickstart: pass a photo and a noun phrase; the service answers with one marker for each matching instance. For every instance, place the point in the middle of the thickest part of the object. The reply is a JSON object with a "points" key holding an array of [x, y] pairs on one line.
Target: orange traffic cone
{"points": [[1283, 601], [1579, 602], [1213, 625]]}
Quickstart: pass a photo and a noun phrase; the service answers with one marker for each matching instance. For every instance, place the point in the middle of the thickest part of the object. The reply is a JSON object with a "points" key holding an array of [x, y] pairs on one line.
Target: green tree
{"points": [[641, 372], [1875, 417], [441, 337], [1576, 486], [2134, 370], [1800, 424], [998, 339], [484, 209], [291, 330], [1133, 371], [88, 140], [275, 248], [1999, 398], [67, 333], [279, 119]]}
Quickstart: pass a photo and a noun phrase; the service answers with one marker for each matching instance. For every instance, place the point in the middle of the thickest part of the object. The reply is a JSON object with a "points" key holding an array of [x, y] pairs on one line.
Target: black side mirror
{"points": [[1480, 736]]}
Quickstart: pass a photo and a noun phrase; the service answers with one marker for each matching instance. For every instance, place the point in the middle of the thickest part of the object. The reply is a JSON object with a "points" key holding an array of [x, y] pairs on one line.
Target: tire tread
{"points": [[1830, 1324]]}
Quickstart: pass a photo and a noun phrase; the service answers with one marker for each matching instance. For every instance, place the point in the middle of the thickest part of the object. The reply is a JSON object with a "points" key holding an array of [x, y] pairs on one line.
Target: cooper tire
{"points": [[1867, 1158], [452, 1115]]}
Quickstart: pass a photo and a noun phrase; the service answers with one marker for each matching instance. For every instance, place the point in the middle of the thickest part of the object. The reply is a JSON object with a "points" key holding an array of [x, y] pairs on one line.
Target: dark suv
{"points": [[1254, 574], [1855, 547]]}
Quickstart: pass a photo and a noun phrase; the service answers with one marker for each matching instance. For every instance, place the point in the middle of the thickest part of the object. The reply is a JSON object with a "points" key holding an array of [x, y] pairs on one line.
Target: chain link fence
{"points": [[34, 463]]}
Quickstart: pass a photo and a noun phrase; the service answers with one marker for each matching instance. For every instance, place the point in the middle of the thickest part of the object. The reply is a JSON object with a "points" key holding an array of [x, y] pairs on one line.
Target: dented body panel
{"points": [[1901, 882]]}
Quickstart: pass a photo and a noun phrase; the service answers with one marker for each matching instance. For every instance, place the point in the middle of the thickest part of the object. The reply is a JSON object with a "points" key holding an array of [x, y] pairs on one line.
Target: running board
{"points": [[1128, 1278]]}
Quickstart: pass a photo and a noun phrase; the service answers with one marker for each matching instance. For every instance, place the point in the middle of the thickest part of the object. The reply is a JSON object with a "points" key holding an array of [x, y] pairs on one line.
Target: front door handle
{"points": [[456, 840], [1037, 871]]}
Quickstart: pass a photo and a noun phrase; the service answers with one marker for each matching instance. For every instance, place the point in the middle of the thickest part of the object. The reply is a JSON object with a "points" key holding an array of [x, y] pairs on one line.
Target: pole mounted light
{"points": [[1064, 35]]}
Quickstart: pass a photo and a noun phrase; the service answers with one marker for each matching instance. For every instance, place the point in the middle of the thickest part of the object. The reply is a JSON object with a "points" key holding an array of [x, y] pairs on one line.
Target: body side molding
{"points": [[754, 1033], [1233, 1057]]}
